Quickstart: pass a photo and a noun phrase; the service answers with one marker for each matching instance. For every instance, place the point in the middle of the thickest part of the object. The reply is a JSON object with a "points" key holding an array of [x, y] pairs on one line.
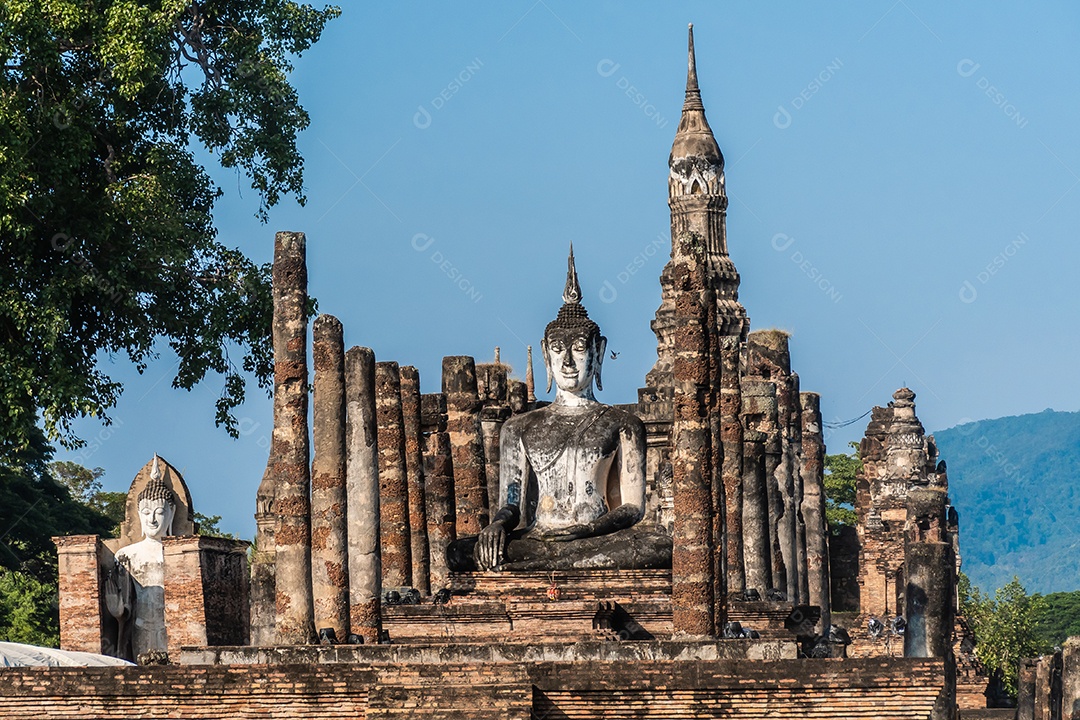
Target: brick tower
{"points": [[698, 203]]}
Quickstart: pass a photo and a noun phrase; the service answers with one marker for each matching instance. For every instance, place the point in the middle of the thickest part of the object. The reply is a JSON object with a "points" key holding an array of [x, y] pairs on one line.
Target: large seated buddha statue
{"points": [[572, 473]]}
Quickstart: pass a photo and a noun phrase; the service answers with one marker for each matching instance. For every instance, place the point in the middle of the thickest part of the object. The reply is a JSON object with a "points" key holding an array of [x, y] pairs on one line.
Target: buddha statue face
{"points": [[155, 517], [573, 347], [573, 358]]}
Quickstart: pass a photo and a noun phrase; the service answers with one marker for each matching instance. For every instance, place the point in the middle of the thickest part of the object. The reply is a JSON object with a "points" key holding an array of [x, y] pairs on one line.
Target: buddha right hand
{"points": [[489, 546], [118, 592]]}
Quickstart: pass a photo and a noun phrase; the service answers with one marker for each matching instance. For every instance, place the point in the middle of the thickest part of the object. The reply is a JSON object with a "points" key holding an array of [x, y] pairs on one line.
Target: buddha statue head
{"points": [[157, 506], [573, 347]]}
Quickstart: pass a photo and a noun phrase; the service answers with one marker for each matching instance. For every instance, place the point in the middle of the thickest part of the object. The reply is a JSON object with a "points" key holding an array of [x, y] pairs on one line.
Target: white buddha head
{"points": [[573, 347], [157, 507]]}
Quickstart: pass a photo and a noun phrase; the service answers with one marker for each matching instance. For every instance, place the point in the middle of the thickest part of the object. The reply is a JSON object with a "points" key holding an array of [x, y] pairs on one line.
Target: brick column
{"points": [[795, 441], [206, 592], [393, 481], [731, 433], [774, 455], [493, 390], [813, 509], [1025, 689], [692, 572], [1043, 667], [1070, 679], [718, 510], [329, 535], [263, 568], [785, 485], [288, 466], [756, 547], [81, 605], [439, 470], [362, 491], [463, 424], [930, 591], [760, 447], [930, 569], [414, 471], [441, 531]]}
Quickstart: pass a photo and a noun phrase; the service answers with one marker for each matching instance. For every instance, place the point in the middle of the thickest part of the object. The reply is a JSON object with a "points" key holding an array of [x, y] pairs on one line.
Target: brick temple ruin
{"points": [[353, 610]]}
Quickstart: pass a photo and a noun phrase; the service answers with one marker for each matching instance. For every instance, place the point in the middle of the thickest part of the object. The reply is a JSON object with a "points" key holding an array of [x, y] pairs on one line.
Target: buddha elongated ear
{"points": [[547, 363], [601, 350]]}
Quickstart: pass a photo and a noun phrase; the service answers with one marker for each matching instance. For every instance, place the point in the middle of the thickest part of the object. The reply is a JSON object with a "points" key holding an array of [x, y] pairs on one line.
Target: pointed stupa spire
{"points": [[572, 315], [694, 137], [572, 294], [693, 94], [530, 383]]}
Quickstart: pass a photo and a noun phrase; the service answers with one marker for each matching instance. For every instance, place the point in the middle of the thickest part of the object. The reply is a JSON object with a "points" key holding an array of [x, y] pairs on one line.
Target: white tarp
{"points": [[17, 655]]}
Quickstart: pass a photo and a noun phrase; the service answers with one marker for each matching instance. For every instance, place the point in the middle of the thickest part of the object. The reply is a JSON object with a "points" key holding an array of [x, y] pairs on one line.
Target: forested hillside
{"points": [[1014, 481]]}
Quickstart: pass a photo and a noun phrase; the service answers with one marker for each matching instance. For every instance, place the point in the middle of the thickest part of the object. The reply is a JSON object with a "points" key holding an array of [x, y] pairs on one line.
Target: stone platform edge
{"points": [[439, 653]]}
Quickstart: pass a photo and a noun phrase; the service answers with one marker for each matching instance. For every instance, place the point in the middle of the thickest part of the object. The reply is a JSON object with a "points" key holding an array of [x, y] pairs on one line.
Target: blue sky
{"points": [[903, 199]]}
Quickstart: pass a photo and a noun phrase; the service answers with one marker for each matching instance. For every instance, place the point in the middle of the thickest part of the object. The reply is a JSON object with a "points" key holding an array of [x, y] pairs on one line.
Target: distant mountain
{"points": [[1014, 481]]}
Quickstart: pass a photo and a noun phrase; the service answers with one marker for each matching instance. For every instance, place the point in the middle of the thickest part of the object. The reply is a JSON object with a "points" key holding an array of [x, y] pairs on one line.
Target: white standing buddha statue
{"points": [[135, 591]]}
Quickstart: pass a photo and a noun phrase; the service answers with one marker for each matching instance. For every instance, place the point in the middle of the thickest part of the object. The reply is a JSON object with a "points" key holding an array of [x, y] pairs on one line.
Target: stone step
{"points": [[572, 584], [530, 619]]}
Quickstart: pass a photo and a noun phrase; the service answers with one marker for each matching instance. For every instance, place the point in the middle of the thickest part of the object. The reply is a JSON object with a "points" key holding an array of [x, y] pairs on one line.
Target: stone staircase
{"points": [[515, 607]]}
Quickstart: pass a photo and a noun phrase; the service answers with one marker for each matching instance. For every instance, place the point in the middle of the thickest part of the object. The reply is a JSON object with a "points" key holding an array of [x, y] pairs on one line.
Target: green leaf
{"points": [[106, 219]]}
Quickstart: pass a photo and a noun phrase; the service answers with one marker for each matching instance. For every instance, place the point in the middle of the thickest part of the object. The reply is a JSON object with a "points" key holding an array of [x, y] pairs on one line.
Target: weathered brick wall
{"points": [[82, 607], [972, 680], [881, 689], [206, 591], [193, 693]]}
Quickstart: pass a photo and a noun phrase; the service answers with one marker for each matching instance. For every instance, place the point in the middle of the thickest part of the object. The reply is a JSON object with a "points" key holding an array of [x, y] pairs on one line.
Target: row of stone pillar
{"points": [[396, 475], [1048, 687], [774, 475], [746, 451]]}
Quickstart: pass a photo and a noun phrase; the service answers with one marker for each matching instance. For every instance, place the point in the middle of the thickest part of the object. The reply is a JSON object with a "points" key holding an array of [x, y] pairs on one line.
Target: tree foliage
{"points": [[105, 216], [84, 485], [29, 610], [209, 525], [35, 507], [840, 472], [1060, 618], [1005, 627]]}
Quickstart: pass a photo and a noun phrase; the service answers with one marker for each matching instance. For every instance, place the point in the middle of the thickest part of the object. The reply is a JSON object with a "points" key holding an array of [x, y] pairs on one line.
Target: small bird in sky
{"points": [[614, 355]]}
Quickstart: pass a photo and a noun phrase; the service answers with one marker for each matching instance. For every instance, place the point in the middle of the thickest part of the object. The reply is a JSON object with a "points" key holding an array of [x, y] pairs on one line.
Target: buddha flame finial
{"points": [[574, 318], [572, 294], [157, 488]]}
